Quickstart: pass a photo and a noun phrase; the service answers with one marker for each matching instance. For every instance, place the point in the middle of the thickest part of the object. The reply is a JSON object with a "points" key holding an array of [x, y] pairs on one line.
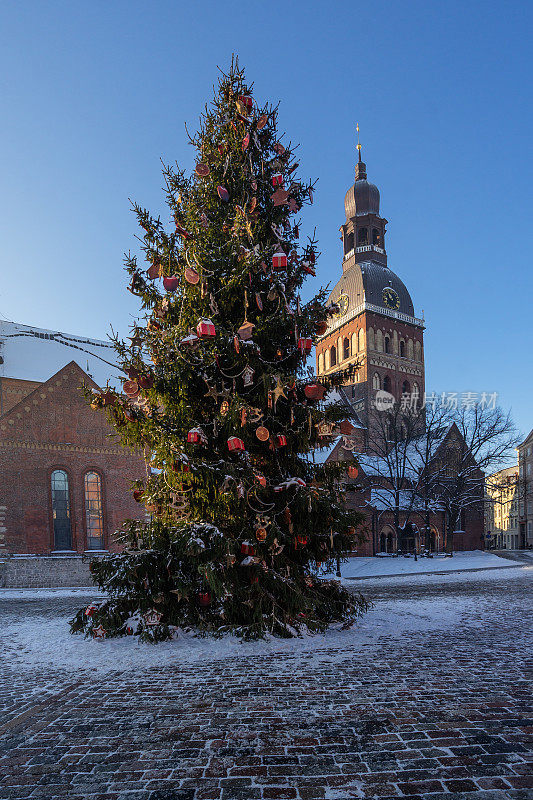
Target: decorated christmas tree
{"points": [[240, 520]]}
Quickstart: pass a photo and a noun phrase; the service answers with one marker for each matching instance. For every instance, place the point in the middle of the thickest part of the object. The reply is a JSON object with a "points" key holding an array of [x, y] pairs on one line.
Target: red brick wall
{"points": [[54, 428], [12, 391]]}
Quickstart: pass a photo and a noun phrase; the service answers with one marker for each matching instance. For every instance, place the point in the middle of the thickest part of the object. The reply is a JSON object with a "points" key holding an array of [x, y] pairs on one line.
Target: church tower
{"points": [[375, 323]]}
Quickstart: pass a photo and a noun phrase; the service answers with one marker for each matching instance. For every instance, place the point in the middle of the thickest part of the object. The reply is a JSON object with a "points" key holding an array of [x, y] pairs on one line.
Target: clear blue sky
{"points": [[95, 93]]}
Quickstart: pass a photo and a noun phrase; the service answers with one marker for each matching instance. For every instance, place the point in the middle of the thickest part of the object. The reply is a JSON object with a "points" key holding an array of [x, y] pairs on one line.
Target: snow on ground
{"points": [[32, 641], [360, 567]]}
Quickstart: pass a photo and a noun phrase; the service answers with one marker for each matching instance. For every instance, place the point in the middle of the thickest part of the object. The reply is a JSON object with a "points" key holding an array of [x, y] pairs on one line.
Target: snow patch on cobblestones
{"points": [[44, 642]]}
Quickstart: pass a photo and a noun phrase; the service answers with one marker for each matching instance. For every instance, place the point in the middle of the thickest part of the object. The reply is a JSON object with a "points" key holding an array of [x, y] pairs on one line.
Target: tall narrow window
{"points": [[61, 511], [387, 344], [332, 356], [362, 236], [387, 384], [346, 348], [94, 518]]}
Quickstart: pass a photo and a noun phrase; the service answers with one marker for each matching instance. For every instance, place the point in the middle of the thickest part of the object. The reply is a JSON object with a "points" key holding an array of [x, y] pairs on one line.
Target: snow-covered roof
{"points": [[35, 354], [321, 456]]}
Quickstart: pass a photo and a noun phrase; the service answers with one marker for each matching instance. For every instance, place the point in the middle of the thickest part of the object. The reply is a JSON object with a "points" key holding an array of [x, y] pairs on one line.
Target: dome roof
{"points": [[363, 196], [365, 282]]}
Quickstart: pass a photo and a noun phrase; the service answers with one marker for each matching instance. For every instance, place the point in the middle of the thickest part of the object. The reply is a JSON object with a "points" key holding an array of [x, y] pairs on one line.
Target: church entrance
{"points": [[386, 540]]}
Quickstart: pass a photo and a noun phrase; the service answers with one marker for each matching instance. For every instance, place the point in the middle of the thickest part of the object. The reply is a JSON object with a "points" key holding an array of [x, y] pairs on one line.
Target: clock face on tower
{"points": [[343, 302], [390, 298]]}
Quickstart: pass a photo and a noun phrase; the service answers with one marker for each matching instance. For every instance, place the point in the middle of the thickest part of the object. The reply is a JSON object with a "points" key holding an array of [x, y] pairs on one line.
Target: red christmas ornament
{"points": [[247, 549], [261, 122], [204, 599], [138, 495], [353, 472], [235, 443], [279, 261], [305, 346], [89, 611], [194, 436], [314, 391], [246, 101], [281, 440], [277, 179], [223, 194], [261, 480], [205, 329], [301, 539], [146, 381], [171, 283], [321, 327], [245, 142]]}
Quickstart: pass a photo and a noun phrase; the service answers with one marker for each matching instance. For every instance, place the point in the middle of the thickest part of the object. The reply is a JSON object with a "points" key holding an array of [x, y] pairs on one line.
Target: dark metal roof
{"points": [[365, 283], [361, 198]]}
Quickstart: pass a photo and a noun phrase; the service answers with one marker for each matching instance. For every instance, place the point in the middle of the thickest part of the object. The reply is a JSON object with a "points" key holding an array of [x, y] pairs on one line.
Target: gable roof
{"points": [[35, 418]]}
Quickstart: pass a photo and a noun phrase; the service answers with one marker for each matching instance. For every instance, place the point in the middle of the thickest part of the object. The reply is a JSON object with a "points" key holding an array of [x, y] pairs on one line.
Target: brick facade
{"points": [[53, 428]]}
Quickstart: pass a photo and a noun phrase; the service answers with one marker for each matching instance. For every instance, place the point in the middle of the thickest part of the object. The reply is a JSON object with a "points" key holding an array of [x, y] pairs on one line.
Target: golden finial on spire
{"points": [[358, 142]]}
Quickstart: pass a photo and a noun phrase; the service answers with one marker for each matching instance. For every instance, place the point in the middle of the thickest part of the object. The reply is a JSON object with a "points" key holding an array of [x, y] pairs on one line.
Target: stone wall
{"points": [[36, 572]]}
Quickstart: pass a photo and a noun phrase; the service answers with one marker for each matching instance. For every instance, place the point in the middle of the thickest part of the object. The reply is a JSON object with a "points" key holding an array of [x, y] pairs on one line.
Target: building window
{"points": [[387, 384], [376, 237], [402, 348], [346, 348], [61, 511], [362, 236], [320, 363], [361, 338], [418, 351], [332, 356], [94, 516], [379, 341], [410, 349], [406, 387], [348, 242], [387, 344], [376, 383]]}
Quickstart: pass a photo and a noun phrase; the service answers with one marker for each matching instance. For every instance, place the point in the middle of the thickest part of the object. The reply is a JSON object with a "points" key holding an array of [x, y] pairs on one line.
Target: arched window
{"points": [[361, 338], [332, 356], [362, 236], [418, 351], [94, 515], [348, 242], [379, 341], [387, 344], [346, 348], [320, 363], [387, 384], [410, 349], [61, 510], [406, 387], [354, 342], [376, 237], [326, 360], [376, 383], [416, 395], [402, 348]]}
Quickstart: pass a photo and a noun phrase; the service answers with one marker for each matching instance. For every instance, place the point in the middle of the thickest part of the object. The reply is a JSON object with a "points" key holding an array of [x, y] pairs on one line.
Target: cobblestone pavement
{"points": [[443, 712]]}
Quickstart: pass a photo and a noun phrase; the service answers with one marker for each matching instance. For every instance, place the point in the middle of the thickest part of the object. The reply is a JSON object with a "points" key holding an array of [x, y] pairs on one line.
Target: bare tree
{"points": [[481, 440], [404, 440]]}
